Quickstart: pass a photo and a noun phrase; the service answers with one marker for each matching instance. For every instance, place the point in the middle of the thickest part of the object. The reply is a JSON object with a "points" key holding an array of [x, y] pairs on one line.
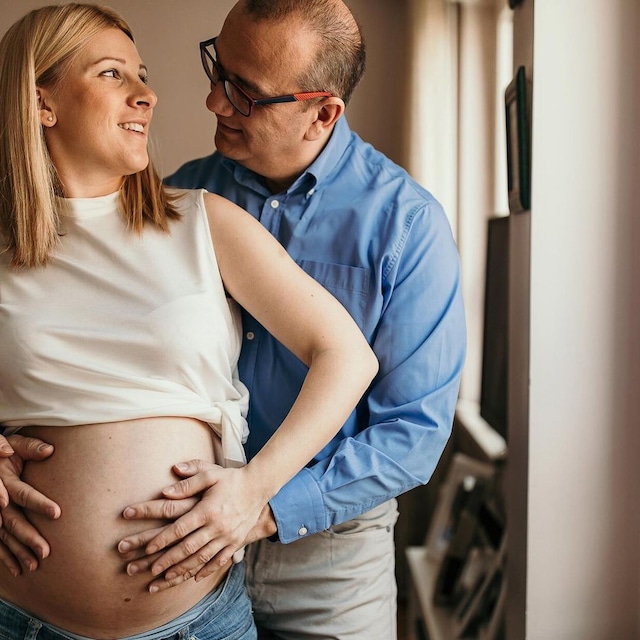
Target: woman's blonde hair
{"points": [[36, 52]]}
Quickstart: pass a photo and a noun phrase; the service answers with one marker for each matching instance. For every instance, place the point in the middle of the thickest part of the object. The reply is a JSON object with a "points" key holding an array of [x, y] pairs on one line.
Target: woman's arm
{"points": [[309, 321], [258, 273]]}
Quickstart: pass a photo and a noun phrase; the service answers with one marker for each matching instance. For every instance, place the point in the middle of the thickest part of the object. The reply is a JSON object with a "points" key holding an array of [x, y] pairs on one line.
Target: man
{"points": [[381, 244], [323, 565]]}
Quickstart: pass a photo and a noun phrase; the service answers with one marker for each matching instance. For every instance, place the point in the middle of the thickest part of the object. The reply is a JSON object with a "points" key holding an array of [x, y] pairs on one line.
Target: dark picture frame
{"points": [[494, 379], [518, 149]]}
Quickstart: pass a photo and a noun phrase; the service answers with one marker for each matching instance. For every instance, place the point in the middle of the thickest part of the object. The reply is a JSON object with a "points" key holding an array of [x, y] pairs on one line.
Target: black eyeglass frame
{"points": [[205, 55]]}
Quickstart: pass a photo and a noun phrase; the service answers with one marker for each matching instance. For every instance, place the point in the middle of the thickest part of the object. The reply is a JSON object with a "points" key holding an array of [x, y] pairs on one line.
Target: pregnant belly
{"points": [[95, 472]]}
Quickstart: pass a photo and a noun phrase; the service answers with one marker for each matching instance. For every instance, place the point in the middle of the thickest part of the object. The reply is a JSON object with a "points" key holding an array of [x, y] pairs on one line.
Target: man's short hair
{"points": [[340, 59]]}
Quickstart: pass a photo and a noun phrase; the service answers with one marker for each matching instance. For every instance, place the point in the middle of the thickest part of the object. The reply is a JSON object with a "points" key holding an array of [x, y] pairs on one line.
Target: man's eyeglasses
{"points": [[240, 99]]}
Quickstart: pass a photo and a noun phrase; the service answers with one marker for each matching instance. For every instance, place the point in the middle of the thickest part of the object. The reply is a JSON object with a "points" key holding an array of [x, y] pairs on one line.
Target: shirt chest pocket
{"points": [[350, 285]]}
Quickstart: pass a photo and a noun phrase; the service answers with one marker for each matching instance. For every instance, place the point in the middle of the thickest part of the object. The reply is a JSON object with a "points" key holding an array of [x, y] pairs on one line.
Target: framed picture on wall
{"points": [[518, 145]]}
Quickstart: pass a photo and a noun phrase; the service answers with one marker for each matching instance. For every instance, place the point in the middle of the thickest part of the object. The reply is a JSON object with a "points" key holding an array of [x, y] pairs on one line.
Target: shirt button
{"points": [[302, 531], [250, 335], [275, 204], [311, 192]]}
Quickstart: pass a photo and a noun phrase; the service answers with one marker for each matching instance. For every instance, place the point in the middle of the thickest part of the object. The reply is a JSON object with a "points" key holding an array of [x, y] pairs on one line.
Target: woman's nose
{"points": [[146, 96]]}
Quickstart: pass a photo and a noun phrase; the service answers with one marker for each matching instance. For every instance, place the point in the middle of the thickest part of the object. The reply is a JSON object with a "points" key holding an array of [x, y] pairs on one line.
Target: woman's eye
{"points": [[145, 79], [111, 73]]}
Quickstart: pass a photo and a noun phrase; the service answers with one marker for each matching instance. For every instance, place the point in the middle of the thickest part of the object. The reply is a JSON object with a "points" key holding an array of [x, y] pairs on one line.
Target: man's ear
{"points": [[327, 114], [47, 116]]}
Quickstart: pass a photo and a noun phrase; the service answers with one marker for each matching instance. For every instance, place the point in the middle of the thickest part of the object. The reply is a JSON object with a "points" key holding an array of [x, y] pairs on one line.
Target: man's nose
{"points": [[217, 101]]}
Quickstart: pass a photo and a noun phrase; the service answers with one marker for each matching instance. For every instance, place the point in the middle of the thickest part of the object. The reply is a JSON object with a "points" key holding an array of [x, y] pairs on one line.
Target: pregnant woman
{"points": [[119, 338]]}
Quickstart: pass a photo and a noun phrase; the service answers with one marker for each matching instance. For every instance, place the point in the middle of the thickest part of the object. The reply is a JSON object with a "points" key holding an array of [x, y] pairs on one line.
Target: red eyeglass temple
{"points": [[312, 94]]}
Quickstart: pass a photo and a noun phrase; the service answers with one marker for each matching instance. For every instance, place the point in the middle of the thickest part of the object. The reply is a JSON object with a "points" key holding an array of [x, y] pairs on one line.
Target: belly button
{"points": [[127, 599]]}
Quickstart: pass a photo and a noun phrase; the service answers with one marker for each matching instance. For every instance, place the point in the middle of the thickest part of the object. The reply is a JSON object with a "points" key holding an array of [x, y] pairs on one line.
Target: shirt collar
{"points": [[324, 165], [317, 172]]}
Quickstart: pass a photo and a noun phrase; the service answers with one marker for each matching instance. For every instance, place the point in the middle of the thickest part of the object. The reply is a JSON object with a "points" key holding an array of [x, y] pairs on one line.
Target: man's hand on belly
{"points": [[202, 527], [21, 545]]}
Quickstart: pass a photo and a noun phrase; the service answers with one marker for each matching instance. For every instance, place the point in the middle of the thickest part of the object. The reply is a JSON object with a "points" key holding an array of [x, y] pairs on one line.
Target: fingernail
{"points": [[151, 549], [123, 547], [45, 447], [52, 513], [5, 448], [155, 571], [171, 575], [182, 466], [132, 569], [170, 489], [154, 589], [129, 512]]}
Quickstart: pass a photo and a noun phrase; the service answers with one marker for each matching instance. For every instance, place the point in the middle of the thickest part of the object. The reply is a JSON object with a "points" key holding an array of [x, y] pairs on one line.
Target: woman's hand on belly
{"points": [[204, 536], [12, 488], [96, 471], [22, 545]]}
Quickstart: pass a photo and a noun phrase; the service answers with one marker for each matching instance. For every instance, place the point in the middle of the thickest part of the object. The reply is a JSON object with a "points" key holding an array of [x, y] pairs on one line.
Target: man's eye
{"points": [[145, 79], [111, 73]]}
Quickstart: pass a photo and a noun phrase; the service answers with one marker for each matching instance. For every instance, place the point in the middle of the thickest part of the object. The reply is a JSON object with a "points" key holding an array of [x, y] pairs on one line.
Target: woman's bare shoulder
{"points": [[213, 203], [225, 214]]}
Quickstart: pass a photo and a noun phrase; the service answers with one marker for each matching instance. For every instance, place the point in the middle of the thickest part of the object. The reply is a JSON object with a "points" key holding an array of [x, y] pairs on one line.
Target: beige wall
{"points": [[167, 34], [583, 549]]}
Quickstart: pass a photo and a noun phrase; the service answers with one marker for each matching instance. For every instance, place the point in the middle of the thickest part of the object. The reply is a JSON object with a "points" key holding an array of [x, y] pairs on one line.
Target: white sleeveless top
{"points": [[121, 326]]}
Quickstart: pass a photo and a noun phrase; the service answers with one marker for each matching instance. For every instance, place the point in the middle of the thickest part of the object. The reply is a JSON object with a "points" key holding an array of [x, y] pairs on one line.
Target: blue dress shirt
{"points": [[382, 245]]}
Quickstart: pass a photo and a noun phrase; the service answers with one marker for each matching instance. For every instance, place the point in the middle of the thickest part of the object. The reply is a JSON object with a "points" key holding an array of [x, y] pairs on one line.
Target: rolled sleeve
{"points": [[298, 508]]}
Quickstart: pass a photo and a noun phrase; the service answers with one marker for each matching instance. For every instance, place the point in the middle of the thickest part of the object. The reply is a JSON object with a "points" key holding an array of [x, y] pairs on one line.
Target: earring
{"points": [[50, 118]]}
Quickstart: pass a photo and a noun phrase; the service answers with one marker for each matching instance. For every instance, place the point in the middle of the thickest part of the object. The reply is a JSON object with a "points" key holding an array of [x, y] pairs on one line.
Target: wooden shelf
{"points": [[437, 621], [491, 444], [482, 451]]}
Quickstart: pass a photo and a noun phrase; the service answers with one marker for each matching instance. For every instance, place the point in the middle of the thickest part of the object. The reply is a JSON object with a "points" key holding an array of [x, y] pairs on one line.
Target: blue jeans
{"points": [[228, 617]]}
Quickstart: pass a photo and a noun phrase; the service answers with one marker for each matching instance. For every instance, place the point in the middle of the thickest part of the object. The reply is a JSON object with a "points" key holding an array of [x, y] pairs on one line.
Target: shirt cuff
{"points": [[298, 508]]}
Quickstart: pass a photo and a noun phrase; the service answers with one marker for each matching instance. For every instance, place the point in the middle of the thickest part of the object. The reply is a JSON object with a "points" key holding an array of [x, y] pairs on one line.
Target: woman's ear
{"points": [[47, 116], [327, 115]]}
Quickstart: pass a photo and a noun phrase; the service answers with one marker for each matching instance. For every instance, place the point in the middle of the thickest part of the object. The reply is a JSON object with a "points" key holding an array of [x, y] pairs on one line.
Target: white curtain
{"points": [[455, 146], [433, 116]]}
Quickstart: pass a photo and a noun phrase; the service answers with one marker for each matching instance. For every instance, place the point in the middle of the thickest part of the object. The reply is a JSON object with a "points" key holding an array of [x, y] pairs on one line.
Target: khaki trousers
{"points": [[337, 584]]}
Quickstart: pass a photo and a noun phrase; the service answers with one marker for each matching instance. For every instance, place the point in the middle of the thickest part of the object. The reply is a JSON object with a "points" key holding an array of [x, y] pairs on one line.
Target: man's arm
{"points": [[420, 343]]}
